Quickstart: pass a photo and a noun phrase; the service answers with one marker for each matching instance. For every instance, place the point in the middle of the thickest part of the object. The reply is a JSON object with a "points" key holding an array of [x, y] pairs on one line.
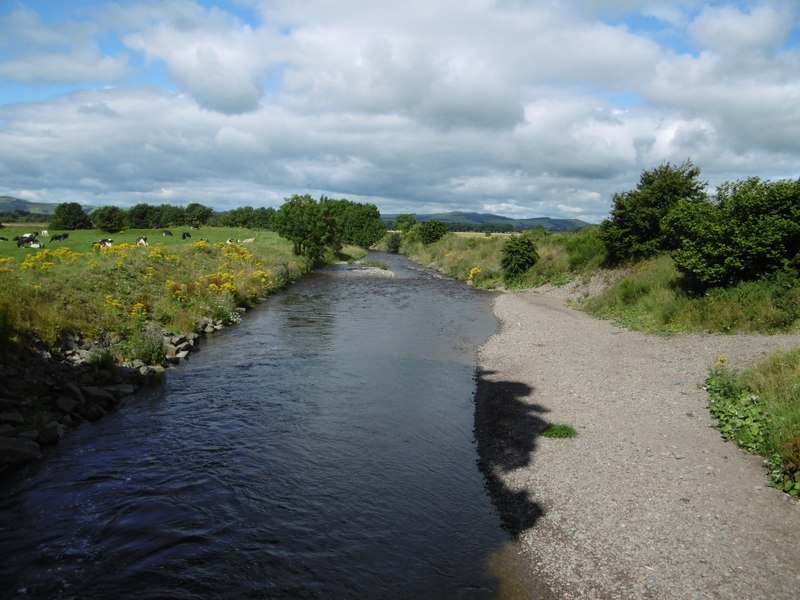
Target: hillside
{"points": [[483, 221], [10, 204]]}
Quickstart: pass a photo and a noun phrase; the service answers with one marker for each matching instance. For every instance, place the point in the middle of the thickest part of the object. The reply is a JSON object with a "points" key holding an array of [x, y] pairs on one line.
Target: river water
{"points": [[322, 448]]}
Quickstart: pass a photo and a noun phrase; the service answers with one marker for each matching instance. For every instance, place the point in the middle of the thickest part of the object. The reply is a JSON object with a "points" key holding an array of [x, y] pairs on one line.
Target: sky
{"points": [[522, 108]]}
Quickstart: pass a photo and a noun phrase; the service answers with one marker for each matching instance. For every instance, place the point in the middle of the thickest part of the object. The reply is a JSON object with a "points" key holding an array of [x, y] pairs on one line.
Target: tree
{"points": [[109, 218], [70, 215], [361, 224], [752, 229], [197, 214], [143, 216], [405, 222], [311, 227], [634, 230], [432, 231], [518, 255], [169, 215]]}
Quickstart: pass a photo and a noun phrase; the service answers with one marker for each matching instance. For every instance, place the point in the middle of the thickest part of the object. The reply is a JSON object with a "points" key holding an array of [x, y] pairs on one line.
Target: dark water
{"points": [[322, 448]]}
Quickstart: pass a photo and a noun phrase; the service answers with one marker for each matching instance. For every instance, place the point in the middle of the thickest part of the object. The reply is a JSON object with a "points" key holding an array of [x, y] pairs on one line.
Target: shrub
{"points": [[393, 242], [518, 255], [753, 229], [432, 231], [634, 230]]}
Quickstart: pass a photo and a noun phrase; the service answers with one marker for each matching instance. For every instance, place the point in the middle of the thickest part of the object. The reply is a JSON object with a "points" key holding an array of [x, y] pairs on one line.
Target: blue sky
{"points": [[520, 108]]}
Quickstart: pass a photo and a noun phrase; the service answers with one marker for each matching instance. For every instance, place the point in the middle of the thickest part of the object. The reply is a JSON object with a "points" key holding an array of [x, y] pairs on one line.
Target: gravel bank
{"points": [[648, 501]]}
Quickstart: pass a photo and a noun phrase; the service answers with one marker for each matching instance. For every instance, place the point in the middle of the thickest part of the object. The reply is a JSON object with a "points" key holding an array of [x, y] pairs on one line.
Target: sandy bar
{"points": [[648, 501]]}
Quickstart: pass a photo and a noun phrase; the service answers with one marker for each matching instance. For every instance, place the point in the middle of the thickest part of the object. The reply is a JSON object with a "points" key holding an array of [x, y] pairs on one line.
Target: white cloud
{"points": [[522, 108]]}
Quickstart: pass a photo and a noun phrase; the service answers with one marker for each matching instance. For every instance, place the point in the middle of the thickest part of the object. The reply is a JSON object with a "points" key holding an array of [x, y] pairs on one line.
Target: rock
{"points": [[100, 396], [66, 404], [169, 351], [12, 417], [51, 432], [31, 434], [182, 354], [76, 392], [120, 390], [90, 412], [8, 430], [15, 451]]}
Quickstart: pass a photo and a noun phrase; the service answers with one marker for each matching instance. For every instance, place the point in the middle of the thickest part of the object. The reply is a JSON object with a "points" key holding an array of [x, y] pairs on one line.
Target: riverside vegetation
{"points": [[83, 323], [673, 259]]}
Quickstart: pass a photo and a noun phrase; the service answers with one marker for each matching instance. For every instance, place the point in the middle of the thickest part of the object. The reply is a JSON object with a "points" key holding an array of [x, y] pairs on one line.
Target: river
{"points": [[323, 447]]}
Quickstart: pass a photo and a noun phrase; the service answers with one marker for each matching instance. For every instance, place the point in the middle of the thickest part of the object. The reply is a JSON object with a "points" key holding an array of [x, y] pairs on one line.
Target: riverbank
{"points": [[648, 501]]}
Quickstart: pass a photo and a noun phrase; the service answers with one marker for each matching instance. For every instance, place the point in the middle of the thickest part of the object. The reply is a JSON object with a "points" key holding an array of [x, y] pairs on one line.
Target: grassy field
{"points": [[126, 295]]}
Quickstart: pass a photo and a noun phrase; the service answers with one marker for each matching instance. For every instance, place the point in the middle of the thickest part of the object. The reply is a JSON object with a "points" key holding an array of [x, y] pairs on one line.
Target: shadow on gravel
{"points": [[506, 428]]}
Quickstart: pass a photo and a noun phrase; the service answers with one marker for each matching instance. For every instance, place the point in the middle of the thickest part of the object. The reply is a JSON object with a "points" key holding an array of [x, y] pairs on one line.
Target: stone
{"points": [[76, 392], [31, 434], [51, 432], [120, 390], [12, 417], [8, 430], [18, 450], [97, 395], [90, 412], [66, 404]]}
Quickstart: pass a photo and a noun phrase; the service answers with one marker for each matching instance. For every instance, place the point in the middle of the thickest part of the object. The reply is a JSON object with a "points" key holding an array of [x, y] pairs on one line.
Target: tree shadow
{"points": [[506, 429]]}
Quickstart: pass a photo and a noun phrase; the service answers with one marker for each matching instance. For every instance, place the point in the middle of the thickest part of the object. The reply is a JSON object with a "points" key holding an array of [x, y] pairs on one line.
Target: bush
{"points": [[753, 229], [634, 230], [393, 242], [518, 255], [432, 231]]}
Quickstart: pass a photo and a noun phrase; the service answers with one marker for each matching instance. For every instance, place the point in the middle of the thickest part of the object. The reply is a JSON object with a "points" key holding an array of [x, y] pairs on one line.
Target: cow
{"points": [[58, 237], [185, 235], [3, 239], [36, 244], [25, 239], [166, 232], [248, 240], [45, 233], [104, 243], [231, 241], [141, 241]]}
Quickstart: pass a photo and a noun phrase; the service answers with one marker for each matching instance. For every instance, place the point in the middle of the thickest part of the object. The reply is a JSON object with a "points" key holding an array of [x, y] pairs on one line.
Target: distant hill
{"points": [[9, 204], [482, 222]]}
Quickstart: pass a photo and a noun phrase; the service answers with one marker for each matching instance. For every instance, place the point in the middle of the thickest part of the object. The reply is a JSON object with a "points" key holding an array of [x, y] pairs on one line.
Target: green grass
{"points": [[759, 409], [650, 298], [559, 431], [126, 293]]}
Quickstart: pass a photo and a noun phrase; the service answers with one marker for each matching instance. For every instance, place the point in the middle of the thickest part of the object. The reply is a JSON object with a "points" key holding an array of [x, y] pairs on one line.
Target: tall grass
{"points": [[562, 256], [650, 298], [125, 292]]}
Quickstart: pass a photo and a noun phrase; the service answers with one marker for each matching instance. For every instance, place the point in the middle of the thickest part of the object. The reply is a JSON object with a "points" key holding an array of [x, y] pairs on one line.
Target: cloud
{"points": [[218, 60], [523, 108]]}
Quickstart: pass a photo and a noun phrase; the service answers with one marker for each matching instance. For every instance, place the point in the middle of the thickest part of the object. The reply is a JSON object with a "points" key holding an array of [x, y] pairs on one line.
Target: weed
{"points": [[559, 431]]}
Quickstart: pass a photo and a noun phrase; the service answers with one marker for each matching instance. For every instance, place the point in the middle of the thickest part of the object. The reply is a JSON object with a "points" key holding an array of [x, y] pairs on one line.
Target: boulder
{"points": [[15, 451], [96, 395]]}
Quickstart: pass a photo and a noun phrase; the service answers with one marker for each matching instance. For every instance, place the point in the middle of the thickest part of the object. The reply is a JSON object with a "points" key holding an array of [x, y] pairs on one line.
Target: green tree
{"points": [[634, 230], [518, 255], [109, 218], [750, 230], [70, 215], [405, 222], [361, 224], [197, 214], [142, 216], [170, 216], [432, 231], [310, 226]]}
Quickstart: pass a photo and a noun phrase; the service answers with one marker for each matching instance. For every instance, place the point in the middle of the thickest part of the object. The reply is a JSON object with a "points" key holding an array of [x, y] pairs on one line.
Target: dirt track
{"points": [[648, 501]]}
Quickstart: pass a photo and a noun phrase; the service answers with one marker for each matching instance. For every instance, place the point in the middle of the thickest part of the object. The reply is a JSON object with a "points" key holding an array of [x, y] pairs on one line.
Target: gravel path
{"points": [[648, 501]]}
